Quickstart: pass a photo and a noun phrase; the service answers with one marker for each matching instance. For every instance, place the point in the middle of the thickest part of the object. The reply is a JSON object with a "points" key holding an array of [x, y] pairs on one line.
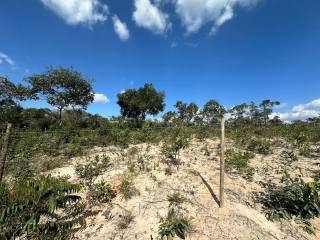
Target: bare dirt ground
{"points": [[197, 178]]}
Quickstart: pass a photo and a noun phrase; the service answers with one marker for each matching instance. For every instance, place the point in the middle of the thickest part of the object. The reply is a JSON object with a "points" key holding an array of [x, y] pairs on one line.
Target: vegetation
{"points": [[135, 104], [39, 208], [175, 223], [62, 88], [178, 138], [294, 198], [127, 188], [238, 161]]}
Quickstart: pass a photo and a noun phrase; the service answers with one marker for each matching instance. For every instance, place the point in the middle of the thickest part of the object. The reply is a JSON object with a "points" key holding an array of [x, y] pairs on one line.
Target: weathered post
{"points": [[4, 150], [222, 162]]}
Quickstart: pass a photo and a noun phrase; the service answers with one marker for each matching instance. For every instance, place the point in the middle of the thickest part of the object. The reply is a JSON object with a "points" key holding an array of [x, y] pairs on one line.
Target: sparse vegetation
{"points": [[127, 188], [238, 161]]}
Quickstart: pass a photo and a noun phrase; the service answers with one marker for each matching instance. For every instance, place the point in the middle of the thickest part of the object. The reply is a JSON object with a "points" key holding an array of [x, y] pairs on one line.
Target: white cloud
{"points": [[120, 28], [196, 13], [149, 16], [301, 111], [4, 58], [78, 11], [100, 98]]}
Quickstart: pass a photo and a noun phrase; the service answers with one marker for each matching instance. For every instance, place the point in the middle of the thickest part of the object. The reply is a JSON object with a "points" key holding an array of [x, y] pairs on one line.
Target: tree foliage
{"points": [[63, 87], [136, 104]]}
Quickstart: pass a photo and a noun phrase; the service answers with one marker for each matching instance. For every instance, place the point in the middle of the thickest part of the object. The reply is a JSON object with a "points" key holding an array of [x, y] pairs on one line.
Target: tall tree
{"points": [[63, 87], [213, 111], [266, 107], [136, 104], [238, 113], [186, 112]]}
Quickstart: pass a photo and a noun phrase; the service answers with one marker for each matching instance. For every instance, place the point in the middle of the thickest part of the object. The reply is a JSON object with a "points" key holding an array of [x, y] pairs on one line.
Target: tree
{"points": [[212, 112], [238, 113], [10, 95], [169, 117], [266, 107], [136, 104], [186, 112], [63, 88]]}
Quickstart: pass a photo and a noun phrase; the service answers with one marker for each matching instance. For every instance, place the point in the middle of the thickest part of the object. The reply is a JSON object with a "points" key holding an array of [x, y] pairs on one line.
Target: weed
{"points": [[289, 156], [125, 220], [305, 149], [127, 188]]}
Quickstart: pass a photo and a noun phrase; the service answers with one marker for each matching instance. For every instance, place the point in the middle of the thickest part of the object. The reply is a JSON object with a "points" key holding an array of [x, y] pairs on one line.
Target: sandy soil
{"points": [[197, 178]]}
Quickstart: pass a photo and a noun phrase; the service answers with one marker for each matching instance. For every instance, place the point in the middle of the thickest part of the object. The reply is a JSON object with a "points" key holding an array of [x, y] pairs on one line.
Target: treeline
{"points": [[69, 92]]}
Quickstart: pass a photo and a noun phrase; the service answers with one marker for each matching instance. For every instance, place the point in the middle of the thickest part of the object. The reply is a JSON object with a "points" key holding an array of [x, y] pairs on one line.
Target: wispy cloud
{"points": [[4, 58], [196, 13], [120, 28], [75, 12]]}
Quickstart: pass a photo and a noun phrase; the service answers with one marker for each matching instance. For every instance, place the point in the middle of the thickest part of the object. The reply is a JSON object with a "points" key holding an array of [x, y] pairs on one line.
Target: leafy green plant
{"points": [[37, 209], [177, 139], [173, 225], [89, 172], [238, 160], [294, 198], [102, 192]]}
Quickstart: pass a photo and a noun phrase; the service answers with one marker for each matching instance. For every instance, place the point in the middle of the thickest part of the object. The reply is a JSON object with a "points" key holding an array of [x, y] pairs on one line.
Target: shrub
{"points": [[289, 156], [102, 192], [174, 225], [37, 209], [293, 198], [89, 172], [305, 150], [239, 161], [127, 188], [259, 146], [178, 138], [176, 199]]}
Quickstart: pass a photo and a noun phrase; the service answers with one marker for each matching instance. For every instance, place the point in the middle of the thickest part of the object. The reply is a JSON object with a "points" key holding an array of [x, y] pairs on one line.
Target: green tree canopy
{"points": [[10, 95], [136, 104], [212, 112], [63, 87]]}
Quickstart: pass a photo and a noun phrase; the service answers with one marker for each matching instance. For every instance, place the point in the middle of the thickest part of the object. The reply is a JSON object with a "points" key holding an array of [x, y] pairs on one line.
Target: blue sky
{"points": [[231, 50]]}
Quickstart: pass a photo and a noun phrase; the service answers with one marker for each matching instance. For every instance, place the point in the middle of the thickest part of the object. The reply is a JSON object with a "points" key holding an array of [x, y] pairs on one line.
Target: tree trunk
{"points": [[60, 116], [4, 150]]}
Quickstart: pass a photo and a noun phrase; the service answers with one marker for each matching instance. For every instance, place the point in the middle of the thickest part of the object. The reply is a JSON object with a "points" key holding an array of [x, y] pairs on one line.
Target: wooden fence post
{"points": [[222, 145], [4, 150]]}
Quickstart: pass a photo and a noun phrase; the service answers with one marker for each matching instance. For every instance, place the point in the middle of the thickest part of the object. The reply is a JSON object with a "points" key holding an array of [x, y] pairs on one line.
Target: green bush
{"points": [[178, 138], [305, 149], [293, 198], [175, 224], [89, 172], [38, 208], [238, 160], [259, 146], [101, 192]]}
